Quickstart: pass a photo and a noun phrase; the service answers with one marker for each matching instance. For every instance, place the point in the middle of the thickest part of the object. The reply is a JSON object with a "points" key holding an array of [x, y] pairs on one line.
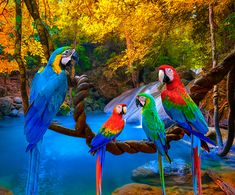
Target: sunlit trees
{"points": [[152, 32]]}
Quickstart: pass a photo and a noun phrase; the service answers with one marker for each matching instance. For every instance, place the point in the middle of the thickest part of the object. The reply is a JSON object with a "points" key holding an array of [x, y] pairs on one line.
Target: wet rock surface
{"points": [[11, 106], [137, 189], [4, 191], [178, 173], [6, 104]]}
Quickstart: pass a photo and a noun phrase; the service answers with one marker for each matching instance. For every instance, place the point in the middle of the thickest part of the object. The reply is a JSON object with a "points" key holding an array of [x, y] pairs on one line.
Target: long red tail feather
{"points": [[98, 175], [197, 167]]}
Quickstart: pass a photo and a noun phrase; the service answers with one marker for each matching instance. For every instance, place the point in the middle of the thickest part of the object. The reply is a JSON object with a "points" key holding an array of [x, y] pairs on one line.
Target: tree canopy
{"points": [[135, 34]]}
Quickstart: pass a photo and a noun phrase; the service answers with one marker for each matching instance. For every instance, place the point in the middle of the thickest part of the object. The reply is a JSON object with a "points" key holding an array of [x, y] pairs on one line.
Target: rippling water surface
{"points": [[66, 166]]}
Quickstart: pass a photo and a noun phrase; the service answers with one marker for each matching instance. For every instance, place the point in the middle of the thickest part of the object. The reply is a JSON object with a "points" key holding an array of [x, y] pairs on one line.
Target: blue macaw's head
{"points": [[63, 58]]}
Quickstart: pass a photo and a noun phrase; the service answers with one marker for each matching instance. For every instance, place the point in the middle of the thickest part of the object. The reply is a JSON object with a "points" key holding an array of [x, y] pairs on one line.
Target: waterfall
{"points": [[133, 114]]}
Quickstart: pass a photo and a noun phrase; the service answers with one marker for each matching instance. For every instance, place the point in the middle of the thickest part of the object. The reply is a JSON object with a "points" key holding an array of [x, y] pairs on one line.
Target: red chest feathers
{"points": [[175, 96], [115, 123]]}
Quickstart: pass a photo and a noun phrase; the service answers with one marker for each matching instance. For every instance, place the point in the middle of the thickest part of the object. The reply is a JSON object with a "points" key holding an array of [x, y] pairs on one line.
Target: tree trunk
{"points": [[130, 52], [205, 83], [231, 117], [17, 55], [215, 89], [42, 31]]}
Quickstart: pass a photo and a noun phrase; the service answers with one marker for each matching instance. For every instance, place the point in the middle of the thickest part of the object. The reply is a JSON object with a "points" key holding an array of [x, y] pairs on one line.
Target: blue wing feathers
{"points": [[98, 142], [47, 94]]}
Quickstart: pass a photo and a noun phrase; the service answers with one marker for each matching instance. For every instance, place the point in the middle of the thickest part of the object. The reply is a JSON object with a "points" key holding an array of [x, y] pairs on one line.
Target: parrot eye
{"points": [[66, 53], [169, 70], [170, 74]]}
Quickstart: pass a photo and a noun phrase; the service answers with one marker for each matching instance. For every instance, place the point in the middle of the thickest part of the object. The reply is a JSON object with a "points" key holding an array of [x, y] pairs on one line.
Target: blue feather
{"points": [[48, 92]]}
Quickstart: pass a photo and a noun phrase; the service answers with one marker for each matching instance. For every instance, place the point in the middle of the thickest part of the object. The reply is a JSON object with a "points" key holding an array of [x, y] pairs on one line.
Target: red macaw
{"points": [[181, 108], [108, 132]]}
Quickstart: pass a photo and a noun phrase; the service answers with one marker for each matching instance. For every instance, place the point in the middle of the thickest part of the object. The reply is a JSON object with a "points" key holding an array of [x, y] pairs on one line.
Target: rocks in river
{"points": [[5, 105], [3, 91], [177, 173], [11, 106], [14, 113], [4, 191], [17, 100], [134, 189]]}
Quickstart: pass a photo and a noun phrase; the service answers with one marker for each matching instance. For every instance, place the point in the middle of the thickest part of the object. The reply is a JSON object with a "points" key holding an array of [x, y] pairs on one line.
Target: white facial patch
{"points": [[169, 72], [119, 109], [142, 100], [65, 60], [161, 75]]}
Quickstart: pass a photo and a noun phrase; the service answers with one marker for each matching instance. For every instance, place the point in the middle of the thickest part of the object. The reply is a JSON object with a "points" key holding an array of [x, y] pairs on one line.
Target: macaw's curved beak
{"points": [[73, 60], [137, 102], [163, 78], [140, 101], [124, 110]]}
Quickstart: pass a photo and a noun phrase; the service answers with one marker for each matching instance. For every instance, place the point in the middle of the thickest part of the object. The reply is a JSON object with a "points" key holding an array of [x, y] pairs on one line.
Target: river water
{"points": [[66, 166]]}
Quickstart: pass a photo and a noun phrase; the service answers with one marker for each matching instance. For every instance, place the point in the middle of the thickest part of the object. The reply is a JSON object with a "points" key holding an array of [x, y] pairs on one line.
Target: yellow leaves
{"points": [[32, 47], [8, 67]]}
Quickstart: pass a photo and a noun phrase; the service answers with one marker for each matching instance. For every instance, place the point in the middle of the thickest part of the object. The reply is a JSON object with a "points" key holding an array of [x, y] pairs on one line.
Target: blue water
{"points": [[66, 166]]}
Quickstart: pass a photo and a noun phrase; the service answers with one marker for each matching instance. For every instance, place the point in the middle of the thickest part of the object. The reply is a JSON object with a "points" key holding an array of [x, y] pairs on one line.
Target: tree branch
{"points": [[45, 38]]}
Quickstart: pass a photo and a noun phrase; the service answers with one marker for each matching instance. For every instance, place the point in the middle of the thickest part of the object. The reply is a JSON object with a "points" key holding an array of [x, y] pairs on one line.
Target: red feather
{"points": [[98, 175], [115, 123], [197, 167]]}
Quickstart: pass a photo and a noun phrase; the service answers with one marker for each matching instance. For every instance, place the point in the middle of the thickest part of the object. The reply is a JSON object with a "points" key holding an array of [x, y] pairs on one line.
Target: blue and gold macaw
{"points": [[48, 91]]}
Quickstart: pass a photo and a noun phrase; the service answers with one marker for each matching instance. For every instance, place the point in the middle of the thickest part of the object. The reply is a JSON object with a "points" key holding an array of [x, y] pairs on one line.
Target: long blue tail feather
{"points": [[33, 173], [197, 134]]}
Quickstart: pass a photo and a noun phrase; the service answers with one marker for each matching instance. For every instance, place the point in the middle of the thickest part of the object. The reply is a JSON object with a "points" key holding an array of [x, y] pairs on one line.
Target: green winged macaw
{"points": [[107, 133], [154, 129], [48, 91], [181, 108]]}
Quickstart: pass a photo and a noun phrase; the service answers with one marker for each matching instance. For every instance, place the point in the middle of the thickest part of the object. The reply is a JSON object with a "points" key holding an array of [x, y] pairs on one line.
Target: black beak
{"points": [[137, 102], [72, 62], [75, 57], [166, 79]]}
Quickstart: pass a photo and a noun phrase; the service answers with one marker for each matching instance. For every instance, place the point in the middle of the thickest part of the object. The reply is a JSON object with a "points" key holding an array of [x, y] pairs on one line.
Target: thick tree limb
{"points": [[42, 31], [214, 64], [18, 58], [206, 82], [231, 117], [225, 187]]}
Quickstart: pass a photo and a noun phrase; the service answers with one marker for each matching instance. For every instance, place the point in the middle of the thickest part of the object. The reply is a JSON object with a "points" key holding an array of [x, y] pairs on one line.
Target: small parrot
{"points": [[181, 108], [154, 129], [48, 91], [107, 133]]}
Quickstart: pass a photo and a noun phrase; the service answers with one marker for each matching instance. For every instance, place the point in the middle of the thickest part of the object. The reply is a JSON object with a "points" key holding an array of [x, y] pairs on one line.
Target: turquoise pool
{"points": [[66, 166]]}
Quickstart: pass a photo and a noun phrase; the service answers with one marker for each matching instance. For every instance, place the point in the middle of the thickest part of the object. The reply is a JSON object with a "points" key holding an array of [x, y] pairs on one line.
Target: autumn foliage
{"points": [[143, 33]]}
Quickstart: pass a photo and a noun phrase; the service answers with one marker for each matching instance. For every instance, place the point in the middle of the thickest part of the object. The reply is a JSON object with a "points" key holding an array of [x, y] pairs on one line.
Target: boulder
{"points": [[6, 104], [20, 112], [134, 189], [4, 191], [14, 113], [3, 91], [17, 106], [188, 75], [17, 100], [176, 173]]}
